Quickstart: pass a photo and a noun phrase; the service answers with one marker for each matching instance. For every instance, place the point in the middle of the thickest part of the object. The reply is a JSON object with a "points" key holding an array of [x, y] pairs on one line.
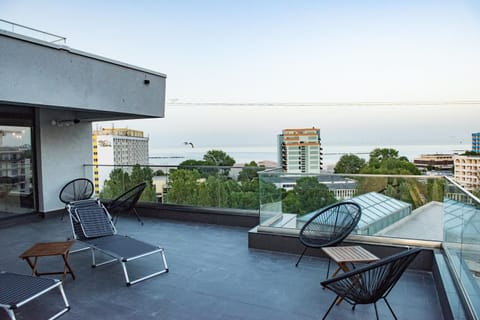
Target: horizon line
{"points": [[178, 102]]}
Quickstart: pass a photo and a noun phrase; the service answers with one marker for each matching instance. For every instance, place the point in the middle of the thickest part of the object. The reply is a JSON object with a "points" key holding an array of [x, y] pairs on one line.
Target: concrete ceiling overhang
{"points": [[39, 74]]}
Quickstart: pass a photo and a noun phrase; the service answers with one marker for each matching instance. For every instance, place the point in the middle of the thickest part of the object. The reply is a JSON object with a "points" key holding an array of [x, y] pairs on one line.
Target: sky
{"points": [[287, 64]]}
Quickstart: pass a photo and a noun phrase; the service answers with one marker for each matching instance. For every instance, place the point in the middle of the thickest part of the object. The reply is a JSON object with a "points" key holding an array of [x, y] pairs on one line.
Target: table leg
{"points": [[67, 268], [343, 266], [30, 263]]}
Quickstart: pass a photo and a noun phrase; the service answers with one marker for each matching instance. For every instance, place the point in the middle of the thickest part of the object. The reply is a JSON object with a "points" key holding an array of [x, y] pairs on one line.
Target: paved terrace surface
{"points": [[213, 275]]}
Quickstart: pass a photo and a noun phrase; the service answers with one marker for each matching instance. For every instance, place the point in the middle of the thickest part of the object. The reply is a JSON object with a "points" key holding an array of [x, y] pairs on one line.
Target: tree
{"points": [[218, 158], [381, 154], [387, 161], [116, 185], [191, 164], [184, 187], [349, 163], [249, 171], [159, 172], [120, 181], [307, 195]]}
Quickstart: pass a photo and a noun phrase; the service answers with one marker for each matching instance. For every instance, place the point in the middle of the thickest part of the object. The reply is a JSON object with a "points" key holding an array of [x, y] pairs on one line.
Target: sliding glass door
{"points": [[17, 194]]}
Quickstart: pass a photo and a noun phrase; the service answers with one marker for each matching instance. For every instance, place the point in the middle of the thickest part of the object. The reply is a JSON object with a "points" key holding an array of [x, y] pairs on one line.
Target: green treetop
{"points": [[349, 163], [387, 161]]}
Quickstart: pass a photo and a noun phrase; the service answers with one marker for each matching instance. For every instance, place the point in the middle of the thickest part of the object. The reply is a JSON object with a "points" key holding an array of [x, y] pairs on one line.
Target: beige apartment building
{"points": [[467, 171]]}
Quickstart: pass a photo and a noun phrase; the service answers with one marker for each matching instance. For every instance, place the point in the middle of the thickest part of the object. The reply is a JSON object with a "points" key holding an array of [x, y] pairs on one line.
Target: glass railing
{"points": [[198, 186], [462, 241], [407, 207]]}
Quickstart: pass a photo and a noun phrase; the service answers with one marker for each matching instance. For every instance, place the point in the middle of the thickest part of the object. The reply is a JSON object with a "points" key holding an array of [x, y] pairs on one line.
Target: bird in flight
{"points": [[189, 143]]}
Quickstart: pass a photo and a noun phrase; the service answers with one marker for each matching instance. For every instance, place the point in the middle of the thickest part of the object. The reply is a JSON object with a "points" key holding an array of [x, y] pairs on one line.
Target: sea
{"points": [[331, 153]]}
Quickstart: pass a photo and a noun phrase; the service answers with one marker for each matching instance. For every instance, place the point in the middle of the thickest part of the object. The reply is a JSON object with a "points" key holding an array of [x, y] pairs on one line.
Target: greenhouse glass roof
{"points": [[379, 211]]}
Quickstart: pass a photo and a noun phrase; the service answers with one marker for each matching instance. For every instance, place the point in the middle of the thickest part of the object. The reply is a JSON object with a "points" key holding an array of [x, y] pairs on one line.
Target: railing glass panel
{"points": [[407, 207], [199, 186], [462, 240]]}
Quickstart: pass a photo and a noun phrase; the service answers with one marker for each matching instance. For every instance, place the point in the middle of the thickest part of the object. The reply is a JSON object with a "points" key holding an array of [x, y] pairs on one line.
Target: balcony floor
{"points": [[213, 275]]}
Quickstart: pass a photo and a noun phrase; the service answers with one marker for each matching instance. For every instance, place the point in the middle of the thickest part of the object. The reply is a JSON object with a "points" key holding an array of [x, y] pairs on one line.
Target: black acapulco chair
{"points": [[93, 226], [17, 290], [77, 189], [372, 282], [126, 202], [74, 190], [329, 226]]}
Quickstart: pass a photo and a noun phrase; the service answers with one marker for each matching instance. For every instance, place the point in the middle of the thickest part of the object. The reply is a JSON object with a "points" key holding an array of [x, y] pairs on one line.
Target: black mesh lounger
{"points": [[92, 225], [17, 290]]}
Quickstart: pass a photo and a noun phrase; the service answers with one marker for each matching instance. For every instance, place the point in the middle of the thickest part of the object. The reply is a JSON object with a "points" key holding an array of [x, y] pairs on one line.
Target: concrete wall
{"points": [[37, 73], [61, 154], [62, 83]]}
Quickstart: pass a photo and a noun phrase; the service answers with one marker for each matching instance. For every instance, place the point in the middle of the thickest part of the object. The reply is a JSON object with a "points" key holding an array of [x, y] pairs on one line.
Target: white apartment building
{"points": [[300, 150], [113, 147], [467, 171]]}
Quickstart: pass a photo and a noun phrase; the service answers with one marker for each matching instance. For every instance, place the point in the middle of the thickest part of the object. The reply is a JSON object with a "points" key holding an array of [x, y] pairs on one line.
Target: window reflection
{"points": [[16, 183]]}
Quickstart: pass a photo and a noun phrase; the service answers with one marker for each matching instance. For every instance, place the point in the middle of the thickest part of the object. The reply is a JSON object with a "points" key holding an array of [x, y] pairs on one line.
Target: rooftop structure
{"points": [[53, 93]]}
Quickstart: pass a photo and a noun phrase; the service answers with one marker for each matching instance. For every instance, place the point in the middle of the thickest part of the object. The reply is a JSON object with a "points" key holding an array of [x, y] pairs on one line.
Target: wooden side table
{"points": [[348, 254], [45, 249]]}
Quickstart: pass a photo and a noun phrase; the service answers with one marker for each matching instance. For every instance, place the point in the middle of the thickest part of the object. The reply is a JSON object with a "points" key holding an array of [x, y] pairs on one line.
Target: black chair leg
{"points": [[328, 268], [298, 261], [138, 217], [330, 308], [376, 311], [389, 307]]}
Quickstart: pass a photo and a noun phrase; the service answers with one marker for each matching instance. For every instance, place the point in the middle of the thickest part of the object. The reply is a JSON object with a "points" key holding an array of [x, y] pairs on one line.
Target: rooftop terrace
{"points": [[213, 275]]}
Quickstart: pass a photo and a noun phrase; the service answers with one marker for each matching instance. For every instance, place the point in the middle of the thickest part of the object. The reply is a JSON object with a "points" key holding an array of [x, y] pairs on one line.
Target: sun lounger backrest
{"points": [[94, 221], [90, 219], [76, 226]]}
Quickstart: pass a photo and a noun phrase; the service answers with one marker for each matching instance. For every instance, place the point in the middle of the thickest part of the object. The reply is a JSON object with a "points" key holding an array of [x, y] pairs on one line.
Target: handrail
{"points": [[468, 193], [13, 24]]}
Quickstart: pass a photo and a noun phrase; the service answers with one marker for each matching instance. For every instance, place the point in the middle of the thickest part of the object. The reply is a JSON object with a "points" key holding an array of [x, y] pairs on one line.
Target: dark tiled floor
{"points": [[213, 275]]}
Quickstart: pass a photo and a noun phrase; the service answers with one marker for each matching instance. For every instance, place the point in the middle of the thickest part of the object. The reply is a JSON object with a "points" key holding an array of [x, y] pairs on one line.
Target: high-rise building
{"points": [[300, 150], [117, 147], [476, 142]]}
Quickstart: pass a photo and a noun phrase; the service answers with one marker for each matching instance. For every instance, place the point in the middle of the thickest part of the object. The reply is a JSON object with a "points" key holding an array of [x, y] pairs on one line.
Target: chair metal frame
{"points": [[92, 225], [329, 226], [126, 202], [372, 282], [16, 290]]}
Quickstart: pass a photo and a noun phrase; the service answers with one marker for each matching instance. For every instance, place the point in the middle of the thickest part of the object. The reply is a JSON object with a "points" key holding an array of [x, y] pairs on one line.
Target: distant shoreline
{"points": [[246, 154]]}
